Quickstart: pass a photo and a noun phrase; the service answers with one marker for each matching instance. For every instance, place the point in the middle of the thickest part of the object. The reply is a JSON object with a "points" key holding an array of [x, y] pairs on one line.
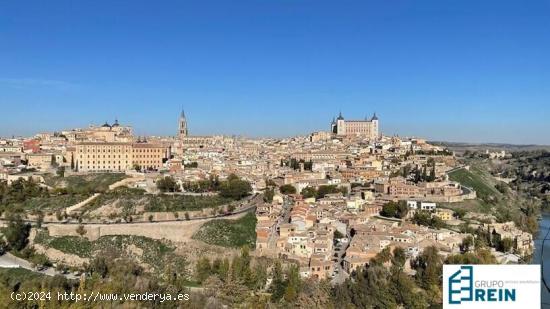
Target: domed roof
{"points": [[116, 123], [106, 125], [374, 117]]}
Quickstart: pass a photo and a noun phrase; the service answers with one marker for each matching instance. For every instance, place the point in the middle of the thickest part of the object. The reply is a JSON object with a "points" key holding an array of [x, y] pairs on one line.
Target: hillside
{"points": [[482, 147], [507, 202], [479, 180], [144, 250], [229, 233]]}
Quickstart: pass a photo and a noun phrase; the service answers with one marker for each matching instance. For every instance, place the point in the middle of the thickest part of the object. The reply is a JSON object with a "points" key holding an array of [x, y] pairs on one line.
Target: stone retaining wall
{"points": [[174, 231]]}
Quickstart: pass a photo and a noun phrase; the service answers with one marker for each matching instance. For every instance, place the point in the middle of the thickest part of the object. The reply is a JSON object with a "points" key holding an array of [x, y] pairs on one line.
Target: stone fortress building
{"points": [[361, 128]]}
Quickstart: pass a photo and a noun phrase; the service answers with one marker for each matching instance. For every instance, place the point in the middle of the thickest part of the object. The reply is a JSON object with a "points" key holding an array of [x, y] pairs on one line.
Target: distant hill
{"points": [[461, 147]]}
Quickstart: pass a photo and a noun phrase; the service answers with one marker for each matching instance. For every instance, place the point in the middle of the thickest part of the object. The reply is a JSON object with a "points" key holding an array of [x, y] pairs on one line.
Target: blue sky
{"points": [[458, 70]]}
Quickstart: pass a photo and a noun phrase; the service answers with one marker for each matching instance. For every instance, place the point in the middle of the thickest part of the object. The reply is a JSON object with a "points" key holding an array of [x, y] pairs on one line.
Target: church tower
{"points": [[182, 132], [340, 125], [374, 127]]}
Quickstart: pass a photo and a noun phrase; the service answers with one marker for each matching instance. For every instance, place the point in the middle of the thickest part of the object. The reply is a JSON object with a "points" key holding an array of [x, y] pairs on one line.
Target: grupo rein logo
{"points": [[462, 288], [491, 286]]}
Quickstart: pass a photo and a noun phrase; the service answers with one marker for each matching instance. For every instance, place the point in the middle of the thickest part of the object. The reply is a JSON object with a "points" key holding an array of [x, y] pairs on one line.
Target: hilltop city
{"points": [[327, 205]]}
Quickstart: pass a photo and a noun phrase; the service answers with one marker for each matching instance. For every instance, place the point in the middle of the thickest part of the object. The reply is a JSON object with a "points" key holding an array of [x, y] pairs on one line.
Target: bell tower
{"points": [[182, 127]]}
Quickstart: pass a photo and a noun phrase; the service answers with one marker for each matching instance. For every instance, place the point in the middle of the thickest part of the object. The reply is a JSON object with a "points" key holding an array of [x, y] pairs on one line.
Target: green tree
{"points": [[287, 189], [176, 273], [191, 165], [235, 188], [259, 277], [17, 232], [462, 258], [402, 210], [3, 246], [417, 175], [80, 230], [216, 266], [406, 170], [502, 187], [39, 218], [99, 266], [268, 195], [308, 192], [477, 256], [40, 259], [505, 244], [399, 257], [203, 269], [329, 189], [429, 267], [224, 269], [338, 235], [395, 210], [61, 171], [406, 291], [426, 219], [293, 284], [382, 257], [467, 244], [459, 213], [167, 184], [278, 286], [389, 210]]}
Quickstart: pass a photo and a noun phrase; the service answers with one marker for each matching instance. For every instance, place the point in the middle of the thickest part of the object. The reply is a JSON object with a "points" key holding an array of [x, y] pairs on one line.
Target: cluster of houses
{"points": [[305, 231]]}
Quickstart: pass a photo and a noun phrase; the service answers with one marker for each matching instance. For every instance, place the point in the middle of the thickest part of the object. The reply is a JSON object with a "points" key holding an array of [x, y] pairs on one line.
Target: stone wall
{"points": [[174, 231]]}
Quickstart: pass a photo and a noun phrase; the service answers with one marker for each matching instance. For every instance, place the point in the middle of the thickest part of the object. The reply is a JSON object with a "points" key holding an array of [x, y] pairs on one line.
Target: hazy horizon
{"points": [[139, 132]]}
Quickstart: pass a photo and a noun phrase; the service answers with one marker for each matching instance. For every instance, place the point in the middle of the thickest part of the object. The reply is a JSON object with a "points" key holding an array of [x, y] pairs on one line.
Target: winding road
{"points": [[9, 260]]}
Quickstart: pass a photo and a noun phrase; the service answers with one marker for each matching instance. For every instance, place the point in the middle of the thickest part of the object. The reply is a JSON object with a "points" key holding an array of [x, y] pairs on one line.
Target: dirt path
{"points": [[81, 204]]}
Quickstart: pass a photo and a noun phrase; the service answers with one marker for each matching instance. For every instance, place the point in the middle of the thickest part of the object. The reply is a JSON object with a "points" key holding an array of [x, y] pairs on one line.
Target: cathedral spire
{"points": [[182, 125]]}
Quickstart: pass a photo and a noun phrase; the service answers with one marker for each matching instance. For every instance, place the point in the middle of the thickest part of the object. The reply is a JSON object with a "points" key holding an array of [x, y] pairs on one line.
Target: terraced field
{"points": [[229, 233], [64, 192], [479, 180], [135, 201], [52, 202], [146, 250], [85, 184]]}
